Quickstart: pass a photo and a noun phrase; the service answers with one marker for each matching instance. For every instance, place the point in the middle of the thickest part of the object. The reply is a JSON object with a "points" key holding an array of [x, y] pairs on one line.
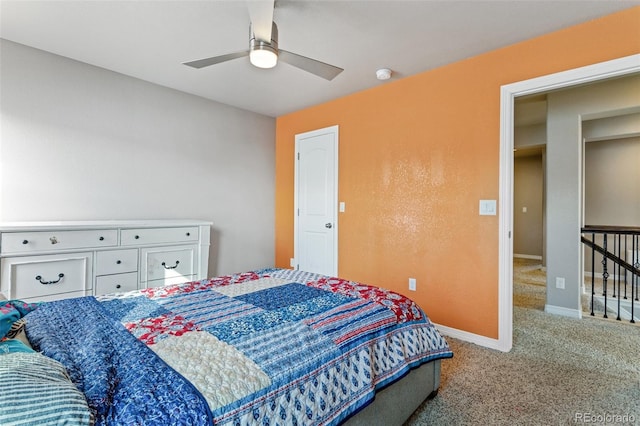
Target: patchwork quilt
{"points": [[272, 346]]}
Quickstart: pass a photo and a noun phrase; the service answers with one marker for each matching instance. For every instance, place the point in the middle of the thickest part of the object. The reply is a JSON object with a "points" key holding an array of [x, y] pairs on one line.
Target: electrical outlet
{"points": [[292, 262], [412, 284], [560, 283]]}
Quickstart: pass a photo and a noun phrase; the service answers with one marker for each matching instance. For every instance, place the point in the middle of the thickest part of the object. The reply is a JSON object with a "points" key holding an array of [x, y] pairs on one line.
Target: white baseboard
{"points": [[565, 312], [527, 256], [477, 339]]}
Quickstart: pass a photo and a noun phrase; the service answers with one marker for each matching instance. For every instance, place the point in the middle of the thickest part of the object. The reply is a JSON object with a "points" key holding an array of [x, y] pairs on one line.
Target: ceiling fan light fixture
{"points": [[263, 56]]}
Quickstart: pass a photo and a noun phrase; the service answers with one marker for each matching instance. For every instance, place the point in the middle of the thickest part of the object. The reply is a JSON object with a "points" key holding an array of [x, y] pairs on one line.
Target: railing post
{"points": [[636, 263], [635, 278], [605, 274], [593, 271], [617, 279], [626, 239]]}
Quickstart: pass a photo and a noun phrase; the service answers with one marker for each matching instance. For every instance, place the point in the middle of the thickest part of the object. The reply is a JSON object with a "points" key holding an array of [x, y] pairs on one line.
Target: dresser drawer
{"points": [[118, 283], [43, 241], [116, 261], [167, 263], [32, 277], [145, 236]]}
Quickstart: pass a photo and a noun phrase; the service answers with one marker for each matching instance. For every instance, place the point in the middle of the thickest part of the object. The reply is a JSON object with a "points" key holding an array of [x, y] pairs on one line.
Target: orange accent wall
{"points": [[415, 157]]}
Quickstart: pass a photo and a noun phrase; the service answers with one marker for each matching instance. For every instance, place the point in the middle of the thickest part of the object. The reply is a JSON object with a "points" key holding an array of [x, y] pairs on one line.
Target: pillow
{"points": [[8, 315], [12, 345], [16, 328], [17, 332], [36, 390], [10, 312]]}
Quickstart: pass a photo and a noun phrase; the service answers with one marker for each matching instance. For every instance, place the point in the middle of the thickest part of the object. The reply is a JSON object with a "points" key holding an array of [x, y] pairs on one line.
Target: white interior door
{"points": [[316, 201]]}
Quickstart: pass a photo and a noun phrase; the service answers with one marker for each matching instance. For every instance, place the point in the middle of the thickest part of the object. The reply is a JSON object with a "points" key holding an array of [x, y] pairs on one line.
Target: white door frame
{"points": [[330, 129], [508, 93]]}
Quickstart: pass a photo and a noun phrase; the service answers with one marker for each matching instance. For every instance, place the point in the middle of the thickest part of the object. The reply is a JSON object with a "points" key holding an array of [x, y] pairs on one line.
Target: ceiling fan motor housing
{"points": [[262, 52]]}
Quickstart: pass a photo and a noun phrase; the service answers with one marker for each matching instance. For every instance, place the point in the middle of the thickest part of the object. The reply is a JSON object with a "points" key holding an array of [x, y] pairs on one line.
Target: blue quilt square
{"points": [[208, 307], [239, 328], [279, 297], [133, 308]]}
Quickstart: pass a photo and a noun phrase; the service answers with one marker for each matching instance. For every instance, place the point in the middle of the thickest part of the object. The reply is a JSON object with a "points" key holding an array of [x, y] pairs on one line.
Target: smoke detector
{"points": [[383, 74]]}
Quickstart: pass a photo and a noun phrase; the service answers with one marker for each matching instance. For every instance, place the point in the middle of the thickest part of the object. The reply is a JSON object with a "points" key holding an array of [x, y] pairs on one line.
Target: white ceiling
{"points": [[150, 40]]}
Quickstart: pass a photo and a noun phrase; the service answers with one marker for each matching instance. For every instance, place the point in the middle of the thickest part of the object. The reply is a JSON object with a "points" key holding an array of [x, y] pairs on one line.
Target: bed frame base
{"points": [[396, 403]]}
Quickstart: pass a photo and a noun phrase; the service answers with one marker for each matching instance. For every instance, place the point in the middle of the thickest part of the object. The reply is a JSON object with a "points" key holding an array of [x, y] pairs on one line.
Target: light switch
{"points": [[487, 207], [524, 210], [341, 206]]}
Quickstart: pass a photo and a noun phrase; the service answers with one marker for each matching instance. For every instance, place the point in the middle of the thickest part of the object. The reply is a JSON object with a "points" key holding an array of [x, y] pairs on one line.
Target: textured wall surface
{"points": [[417, 154]]}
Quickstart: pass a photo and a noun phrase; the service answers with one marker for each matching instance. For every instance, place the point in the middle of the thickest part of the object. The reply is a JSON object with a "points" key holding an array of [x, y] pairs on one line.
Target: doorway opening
{"points": [[509, 93]]}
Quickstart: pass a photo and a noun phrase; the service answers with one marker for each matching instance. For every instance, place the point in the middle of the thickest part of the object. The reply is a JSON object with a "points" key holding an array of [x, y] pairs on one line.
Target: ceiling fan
{"points": [[263, 46]]}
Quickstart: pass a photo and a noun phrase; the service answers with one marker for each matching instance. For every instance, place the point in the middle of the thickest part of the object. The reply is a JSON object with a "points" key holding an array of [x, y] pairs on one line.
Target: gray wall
{"points": [[530, 139], [566, 111], [609, 128], [79, 142], [530, 135], [612, 182], [528, 175], [611, 191]]}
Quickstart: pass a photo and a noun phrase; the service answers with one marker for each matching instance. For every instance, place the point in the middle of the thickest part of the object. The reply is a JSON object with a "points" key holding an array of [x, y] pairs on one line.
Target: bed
{"points": [[272, 346]]}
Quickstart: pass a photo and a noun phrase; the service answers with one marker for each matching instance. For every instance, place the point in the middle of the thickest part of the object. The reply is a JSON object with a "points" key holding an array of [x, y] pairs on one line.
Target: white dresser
{"points": [[55, 260]]}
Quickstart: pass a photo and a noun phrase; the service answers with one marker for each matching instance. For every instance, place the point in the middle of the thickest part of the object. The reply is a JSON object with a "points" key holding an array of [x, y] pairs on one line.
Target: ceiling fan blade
{"points": [[326, 71], [261, 15], [201, 63]]}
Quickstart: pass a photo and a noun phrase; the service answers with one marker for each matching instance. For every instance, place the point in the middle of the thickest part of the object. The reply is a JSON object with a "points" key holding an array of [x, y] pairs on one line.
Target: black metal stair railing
{"points": [[619, 248]]}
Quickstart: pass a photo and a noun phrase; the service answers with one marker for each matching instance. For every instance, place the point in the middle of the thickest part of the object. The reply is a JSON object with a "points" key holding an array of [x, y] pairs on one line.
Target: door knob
{"points": [[328, 225]]}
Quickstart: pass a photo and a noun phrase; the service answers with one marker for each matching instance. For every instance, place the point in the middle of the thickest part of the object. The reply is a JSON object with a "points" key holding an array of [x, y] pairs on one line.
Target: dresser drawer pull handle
{"points": [[60, 276], [101, 238], [137, 237], [25, 241], [170, 267], [118, 262], [53, 240], [118, 286], [188, 234]]}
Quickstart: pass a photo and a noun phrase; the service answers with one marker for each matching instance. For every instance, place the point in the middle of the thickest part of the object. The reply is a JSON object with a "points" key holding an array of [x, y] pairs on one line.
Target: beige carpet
{"points": [[561, 371]]}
